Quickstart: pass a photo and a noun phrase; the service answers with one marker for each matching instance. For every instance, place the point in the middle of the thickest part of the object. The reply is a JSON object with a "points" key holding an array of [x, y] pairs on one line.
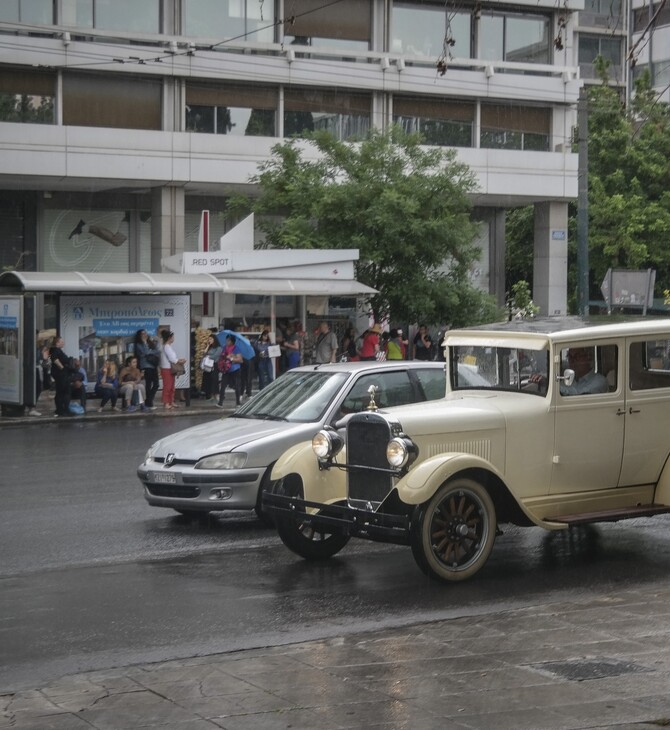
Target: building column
{"points": [[550, 260], [167, 224]]}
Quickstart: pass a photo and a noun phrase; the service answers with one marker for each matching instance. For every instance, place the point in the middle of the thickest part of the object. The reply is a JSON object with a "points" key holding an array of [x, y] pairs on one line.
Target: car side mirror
{"points": [[568, 377]]}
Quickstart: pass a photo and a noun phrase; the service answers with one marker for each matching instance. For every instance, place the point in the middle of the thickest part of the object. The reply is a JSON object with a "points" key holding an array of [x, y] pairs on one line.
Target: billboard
{"points": [[103, 327]]}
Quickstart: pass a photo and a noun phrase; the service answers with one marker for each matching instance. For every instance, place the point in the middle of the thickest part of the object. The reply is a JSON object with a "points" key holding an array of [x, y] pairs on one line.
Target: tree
{"points": [[403, 206]]}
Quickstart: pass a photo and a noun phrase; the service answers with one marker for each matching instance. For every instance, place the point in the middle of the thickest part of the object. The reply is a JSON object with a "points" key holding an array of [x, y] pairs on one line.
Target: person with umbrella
{"points": [[229, 366]]}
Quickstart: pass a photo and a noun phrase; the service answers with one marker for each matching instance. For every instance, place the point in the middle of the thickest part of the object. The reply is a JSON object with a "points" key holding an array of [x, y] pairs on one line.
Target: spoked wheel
{"points": [[311, 543], [453, 533]]}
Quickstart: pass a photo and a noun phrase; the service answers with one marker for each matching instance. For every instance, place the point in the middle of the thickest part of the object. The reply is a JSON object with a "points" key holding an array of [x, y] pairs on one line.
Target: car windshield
{"points": [[295, 396], [499, 368]]}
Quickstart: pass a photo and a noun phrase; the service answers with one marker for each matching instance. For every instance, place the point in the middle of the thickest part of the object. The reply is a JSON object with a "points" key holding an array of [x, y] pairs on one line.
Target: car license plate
{"points": [[164, 478]]}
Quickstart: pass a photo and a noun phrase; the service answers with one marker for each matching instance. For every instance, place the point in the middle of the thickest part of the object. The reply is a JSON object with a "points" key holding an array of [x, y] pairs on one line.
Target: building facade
{"points": [[121, 120]]}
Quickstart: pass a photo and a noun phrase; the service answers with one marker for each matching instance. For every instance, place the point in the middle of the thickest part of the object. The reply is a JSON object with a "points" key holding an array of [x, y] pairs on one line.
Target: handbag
{"points": [[177, 368], [207, 364], [152, 360]]}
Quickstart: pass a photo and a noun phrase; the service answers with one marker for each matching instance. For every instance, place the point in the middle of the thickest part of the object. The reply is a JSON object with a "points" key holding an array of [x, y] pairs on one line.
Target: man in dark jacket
{"points": [[61, 372]]}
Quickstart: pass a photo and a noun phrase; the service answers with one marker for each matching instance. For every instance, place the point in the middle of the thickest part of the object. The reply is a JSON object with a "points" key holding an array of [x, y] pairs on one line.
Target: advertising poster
{"points": [[11, 335], [103, 327]]}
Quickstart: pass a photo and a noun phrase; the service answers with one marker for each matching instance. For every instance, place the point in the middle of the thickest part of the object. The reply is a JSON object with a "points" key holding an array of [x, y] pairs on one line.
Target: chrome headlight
{"points": [[326, 444], [400, 452], [235, 460]]}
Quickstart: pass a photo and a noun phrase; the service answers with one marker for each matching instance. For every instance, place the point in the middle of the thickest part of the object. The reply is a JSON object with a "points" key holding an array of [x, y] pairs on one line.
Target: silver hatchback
{"points": [[224, 464]]}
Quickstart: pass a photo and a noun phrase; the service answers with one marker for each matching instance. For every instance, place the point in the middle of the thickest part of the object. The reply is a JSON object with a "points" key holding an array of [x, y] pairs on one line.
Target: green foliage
{"points": [[403, 206], [521, 304]]}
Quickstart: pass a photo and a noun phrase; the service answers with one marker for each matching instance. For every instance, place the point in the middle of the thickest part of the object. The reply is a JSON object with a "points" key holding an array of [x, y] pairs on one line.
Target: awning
{"points": [[75, 281]]}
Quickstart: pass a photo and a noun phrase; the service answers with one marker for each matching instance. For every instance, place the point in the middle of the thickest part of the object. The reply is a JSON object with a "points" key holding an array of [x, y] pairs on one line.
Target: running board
{"points": [[612, 515]]}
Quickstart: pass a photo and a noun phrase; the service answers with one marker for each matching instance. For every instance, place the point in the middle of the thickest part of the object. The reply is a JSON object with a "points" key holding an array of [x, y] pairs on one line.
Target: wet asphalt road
{"points": [[92, 577]]}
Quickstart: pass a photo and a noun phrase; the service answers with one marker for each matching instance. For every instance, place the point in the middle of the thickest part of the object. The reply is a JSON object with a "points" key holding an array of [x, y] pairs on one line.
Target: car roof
{"points": [[358, 366], [532, 332]]}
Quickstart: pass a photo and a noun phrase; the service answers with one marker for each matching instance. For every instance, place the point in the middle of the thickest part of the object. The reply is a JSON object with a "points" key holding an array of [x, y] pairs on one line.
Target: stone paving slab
{"points": [[517, 670]]}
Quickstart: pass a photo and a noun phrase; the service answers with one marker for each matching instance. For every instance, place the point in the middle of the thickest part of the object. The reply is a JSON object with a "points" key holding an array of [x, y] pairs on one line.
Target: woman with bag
{"points": [[170, 366], [229, 366], [148, 357], [210, 371]]}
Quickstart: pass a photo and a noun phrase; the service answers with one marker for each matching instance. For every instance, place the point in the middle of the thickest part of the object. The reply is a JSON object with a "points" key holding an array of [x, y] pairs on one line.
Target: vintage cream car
{"points": [[564, 423]]}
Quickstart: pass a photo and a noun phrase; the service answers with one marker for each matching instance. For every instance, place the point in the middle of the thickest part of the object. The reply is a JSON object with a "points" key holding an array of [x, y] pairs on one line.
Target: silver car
{"points": [[225, 464]]}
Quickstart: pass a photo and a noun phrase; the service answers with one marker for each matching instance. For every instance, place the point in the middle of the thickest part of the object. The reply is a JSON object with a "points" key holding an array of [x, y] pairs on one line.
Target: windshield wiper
{"points": [[266, 417]]}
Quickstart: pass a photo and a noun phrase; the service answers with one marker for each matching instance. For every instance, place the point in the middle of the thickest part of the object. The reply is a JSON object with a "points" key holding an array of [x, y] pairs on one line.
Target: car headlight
{"points": [[235, 460], [149, 456], [326, 444], [400, 452]]}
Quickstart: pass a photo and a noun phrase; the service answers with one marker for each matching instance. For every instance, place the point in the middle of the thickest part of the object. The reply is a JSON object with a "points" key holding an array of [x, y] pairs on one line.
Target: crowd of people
{"points": [[132, 384]]}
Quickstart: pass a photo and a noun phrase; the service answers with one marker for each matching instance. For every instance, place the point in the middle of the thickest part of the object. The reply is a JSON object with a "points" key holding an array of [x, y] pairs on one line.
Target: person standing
{"points": [[370, 346], [210, 373], [229, 366], [168, 359], [348, 345], [291, 346], [423, 344], [325, 348], [61, 372], [264, 361], [148, 357], [394, 348]]}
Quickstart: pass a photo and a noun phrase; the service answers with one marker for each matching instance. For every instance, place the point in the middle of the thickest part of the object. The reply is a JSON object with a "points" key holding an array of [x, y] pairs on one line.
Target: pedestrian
{"points": [[149, 358], [209, 367], [168, 360], [291, 346], [394, 348], [348, 346], [79, 383], [325, 348], [107, 385], [61, 372], [229, 366], [423, 344], [264, 361], [370, 346]]}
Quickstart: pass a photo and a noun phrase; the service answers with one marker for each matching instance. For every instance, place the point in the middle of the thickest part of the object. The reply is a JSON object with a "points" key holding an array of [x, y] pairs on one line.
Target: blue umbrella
{"points": [[243, 344]]}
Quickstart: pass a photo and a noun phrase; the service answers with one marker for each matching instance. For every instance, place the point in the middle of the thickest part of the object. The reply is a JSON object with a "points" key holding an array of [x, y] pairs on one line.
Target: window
{"points": [[27, 96], [345, 24], [111, 101], [609, 8], [433, 382], [250, 20], [441, 122], [595, 369], [345, 115], [514, 38], [421, 29], [231, 109], [27, 11], [650, 365], [393, 389], [515, 127], [643, 15], [130, 15], [590, 47]]}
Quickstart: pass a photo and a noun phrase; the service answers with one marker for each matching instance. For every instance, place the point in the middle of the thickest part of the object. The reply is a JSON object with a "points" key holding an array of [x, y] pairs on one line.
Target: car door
{"points": [[646, 441], [589, 427]]}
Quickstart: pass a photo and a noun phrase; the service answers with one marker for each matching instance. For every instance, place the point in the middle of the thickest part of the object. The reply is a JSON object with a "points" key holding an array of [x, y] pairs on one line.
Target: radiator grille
{"points": [[173, 490], [367, 437]]}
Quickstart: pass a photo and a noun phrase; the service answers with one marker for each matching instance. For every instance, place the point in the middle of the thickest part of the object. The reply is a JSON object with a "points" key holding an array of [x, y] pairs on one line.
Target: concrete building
{"points": [[121, 120]]}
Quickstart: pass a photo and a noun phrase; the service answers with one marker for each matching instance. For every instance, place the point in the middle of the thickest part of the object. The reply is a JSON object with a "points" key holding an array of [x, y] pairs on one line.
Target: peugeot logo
{"points": [[169, 460]]}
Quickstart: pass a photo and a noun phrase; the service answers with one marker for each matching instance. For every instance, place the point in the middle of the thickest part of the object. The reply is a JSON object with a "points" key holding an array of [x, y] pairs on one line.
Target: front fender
{"points": [[421, 483], [320, 485]]}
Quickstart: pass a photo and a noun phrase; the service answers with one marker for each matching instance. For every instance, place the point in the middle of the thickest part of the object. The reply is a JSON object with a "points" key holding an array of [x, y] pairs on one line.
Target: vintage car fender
{"points": [[320, 485], [422, 482]]}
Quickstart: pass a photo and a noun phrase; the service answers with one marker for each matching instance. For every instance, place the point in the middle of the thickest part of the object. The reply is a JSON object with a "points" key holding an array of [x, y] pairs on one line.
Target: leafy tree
{"points": [[403, 206]]}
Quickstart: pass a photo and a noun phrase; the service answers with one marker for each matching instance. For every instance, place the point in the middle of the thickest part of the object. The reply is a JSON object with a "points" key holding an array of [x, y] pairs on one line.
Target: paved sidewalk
{"points": [[582, 663], [196, 406]]}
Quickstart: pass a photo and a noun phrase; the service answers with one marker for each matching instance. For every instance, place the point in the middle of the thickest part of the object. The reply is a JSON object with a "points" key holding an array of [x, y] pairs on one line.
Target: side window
{"points": [[433, 382], [393, 389], [650, 365], [595, 368]]}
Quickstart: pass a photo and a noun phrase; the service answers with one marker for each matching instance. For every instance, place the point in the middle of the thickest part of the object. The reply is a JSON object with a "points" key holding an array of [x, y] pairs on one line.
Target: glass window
{"points": [[27, 96], [345, 115], [595, 369], [393, 389], [122, 15], [514, 38], [27, 11], [441, 122], [345, 24], [650, 365], [251, 20], [111, 101], [433, 382], [231, 109], [590, 47], [421, 30], [515, 127]]}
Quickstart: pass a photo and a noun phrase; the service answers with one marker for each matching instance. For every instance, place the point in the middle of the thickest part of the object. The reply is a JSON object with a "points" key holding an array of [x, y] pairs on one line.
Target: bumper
{"points": [[340, 518], [199, 489]]}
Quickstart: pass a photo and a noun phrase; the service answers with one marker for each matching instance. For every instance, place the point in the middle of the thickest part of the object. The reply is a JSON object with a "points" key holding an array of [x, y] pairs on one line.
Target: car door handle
{"points": [[619, 412], [633, 410]]}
